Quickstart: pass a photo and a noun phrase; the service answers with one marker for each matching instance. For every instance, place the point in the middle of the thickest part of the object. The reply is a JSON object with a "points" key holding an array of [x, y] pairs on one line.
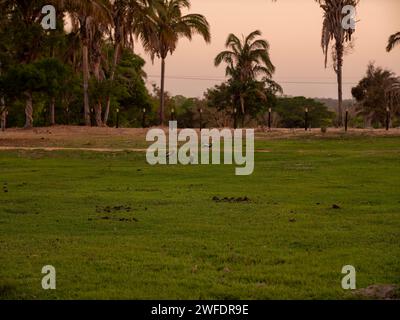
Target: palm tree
{"points": [[394, 39], [87, 15], [379, 89], [246, 60], [333, 31], [126, 15], [160, 35]]}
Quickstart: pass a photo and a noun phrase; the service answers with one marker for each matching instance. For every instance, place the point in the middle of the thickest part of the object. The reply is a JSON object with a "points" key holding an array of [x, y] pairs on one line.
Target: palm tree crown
{"points": [[394, 39], [246, 59], [161, 32]]}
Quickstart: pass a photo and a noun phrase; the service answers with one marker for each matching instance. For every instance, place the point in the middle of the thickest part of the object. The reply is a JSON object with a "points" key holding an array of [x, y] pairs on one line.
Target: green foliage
{"points": [[291, 113], [130, 92], [375, 92]]}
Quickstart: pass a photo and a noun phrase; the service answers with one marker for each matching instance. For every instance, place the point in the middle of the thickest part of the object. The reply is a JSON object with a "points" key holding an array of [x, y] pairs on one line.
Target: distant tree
{"points": [[290, 112], [21, 82], [130, 92], [54, 75], [375, 92], [167, 25]]}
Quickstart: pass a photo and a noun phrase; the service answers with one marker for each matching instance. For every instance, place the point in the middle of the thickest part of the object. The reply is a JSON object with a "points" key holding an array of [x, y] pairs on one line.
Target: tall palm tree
{"points": [[246, 60], [160, 35], [394, 39], [126, 14], [87, 15], [333, 31]]}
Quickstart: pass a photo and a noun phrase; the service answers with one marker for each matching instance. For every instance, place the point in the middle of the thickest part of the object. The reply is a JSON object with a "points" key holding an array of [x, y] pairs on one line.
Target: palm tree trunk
{"points": [[112, 77], [52, 111], [28, 110], [98, 106], [339, 72], [162, 97], [85, 67], [97, 111]]}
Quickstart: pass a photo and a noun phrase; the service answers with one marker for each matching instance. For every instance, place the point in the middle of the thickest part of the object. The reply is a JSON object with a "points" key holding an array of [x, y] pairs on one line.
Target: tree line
{"points": [[86, 70]]}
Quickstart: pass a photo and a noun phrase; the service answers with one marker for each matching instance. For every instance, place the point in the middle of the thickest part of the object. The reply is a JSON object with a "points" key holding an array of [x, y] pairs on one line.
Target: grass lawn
{"points": [[117, 228]]}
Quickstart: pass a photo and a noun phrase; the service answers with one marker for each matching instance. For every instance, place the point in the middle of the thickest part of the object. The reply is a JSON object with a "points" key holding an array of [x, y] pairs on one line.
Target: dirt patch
{"points": [[231, 200], [380, 292], [115, 213], [109, 209], [95, 139]]}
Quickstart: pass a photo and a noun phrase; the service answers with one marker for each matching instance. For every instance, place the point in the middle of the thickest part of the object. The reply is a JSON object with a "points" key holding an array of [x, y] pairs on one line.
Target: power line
{"points": [[223, 79]]}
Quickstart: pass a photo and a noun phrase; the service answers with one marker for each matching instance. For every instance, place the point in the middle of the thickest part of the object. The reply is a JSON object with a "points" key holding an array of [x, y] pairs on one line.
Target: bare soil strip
{"points": [[103, 150]]}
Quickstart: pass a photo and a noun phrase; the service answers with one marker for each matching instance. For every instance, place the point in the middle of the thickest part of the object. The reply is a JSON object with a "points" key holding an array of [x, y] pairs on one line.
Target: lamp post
{"points": [[117, 118], [346, 120], [67, 111], [306, 119], [3, 117], [144, 118], [269, 118], [44, 117], [92, 117], [234, 118], [201, 118], [387, 118], [172, 114]]}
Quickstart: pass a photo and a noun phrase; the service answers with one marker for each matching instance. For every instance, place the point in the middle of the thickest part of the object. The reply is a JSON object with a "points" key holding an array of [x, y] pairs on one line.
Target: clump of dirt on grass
{"points": [[380, 292], [231, 200], [115, 209], [109, 209]]}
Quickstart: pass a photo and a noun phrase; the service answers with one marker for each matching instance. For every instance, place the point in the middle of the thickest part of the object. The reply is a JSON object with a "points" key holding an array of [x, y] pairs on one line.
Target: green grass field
{"points": [[116, 228]]}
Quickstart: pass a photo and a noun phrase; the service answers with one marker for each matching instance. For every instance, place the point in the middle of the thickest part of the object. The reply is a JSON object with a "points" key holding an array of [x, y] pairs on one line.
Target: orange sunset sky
{"points": [[293, 28]]}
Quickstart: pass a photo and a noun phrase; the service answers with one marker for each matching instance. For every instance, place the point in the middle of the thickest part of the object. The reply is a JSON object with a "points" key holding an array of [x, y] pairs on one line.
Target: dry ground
{"points": [[133, 139]]}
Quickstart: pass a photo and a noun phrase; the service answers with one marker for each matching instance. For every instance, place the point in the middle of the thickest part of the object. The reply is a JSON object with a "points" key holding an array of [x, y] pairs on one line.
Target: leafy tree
{"points": [[131, 94], [290, 112], [54, 81], [378, 90], [20, 82]]}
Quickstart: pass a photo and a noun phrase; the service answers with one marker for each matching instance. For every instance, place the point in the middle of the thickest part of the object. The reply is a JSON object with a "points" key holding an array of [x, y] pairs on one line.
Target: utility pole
{"points": [[201, 118], [144, 118], [306, 120]]}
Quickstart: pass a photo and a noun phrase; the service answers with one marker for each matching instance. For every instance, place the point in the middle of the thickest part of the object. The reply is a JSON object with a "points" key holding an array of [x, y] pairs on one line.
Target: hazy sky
{"points": [[293, 28]]}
